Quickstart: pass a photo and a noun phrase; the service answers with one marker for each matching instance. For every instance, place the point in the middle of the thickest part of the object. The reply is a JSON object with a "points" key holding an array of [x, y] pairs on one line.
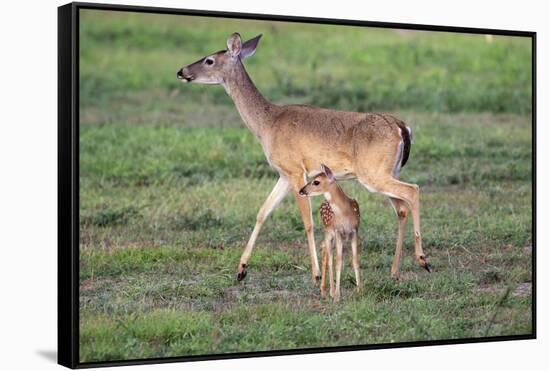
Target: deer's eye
{"points": [[316, 182], [209, 61]]}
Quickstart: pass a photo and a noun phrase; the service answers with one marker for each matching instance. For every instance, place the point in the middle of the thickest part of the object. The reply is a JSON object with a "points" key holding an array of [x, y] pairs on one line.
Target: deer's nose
{"points": [[184, 76]]}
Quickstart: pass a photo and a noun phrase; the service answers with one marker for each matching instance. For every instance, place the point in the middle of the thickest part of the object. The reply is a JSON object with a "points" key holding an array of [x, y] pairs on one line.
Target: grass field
{"points": [[170, 183]]}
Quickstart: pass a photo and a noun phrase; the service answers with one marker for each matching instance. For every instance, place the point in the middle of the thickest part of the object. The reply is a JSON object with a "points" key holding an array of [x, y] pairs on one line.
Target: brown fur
{"points": [[297, 138], [340, 217]]}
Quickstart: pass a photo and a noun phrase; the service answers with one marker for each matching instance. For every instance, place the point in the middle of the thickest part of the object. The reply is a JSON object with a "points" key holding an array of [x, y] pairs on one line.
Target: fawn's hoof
{"points": [[242, 272]]}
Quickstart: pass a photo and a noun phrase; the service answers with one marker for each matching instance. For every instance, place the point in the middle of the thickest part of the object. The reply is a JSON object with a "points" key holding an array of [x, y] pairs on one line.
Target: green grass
{"points": [[160, 244], [171, 181]]}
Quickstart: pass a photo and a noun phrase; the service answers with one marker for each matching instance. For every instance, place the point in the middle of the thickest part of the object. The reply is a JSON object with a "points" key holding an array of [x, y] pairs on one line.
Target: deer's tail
{"points": [[406, 134]]}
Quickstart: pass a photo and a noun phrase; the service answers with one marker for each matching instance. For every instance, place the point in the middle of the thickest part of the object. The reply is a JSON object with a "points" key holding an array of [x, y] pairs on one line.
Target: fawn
{"points": [[340, 217]]}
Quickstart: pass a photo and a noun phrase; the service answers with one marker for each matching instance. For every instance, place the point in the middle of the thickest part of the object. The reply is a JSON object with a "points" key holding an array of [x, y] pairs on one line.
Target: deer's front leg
{"points": [[305, 209], [278, 193]]}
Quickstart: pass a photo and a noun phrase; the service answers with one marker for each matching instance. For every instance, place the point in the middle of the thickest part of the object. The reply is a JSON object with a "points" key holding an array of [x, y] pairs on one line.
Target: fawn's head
{"points": [[215, 68], [320, 184]]}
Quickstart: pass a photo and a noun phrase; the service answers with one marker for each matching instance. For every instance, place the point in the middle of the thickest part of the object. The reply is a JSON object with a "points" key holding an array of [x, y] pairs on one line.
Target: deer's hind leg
{"points": [[410, 195], [377, 167], [402, 213]]}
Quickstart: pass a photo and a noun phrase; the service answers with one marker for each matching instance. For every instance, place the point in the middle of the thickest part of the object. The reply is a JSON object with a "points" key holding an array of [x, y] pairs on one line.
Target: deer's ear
{"points": [[249, 47], [234, 44], [328, 172]]}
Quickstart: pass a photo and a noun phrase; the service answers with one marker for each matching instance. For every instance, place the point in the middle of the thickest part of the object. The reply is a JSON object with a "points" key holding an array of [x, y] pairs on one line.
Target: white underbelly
{"points": [[339, 176]]}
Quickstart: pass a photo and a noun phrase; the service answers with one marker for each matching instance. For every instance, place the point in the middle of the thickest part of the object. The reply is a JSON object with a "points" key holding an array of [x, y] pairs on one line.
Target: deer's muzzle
{"points": [[184, 75]]}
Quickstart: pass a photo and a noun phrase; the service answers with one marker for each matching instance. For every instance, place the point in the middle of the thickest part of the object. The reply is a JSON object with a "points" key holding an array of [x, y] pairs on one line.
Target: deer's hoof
{"points": [[315, 280], [242, 273], [425, 264]]}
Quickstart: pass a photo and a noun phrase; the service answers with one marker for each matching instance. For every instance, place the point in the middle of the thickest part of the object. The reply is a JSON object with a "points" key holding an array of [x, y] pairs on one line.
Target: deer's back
{"points": [[306, 135]]}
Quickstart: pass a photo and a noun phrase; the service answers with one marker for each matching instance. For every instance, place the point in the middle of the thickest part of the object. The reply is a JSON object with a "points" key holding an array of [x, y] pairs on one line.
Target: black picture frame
{"points": [[68, 181]]}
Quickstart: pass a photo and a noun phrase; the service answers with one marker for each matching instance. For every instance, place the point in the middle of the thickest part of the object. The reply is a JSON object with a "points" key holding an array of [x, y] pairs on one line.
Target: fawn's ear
{"points": [[249, 47], [328, 172], [234, 44]]}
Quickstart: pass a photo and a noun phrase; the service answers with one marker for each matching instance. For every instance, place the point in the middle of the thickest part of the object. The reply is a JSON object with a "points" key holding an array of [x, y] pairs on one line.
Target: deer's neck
{"points": [[256, 111], [337, 199]]}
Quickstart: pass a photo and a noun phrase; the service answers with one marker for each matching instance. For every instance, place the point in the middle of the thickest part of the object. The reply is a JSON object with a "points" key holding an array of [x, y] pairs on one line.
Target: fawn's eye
{"points": [[316, 182], [209, 61]]}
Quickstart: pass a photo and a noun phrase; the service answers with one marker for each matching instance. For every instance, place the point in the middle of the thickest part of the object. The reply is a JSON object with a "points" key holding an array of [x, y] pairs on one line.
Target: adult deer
{"points": [[296, 139]]}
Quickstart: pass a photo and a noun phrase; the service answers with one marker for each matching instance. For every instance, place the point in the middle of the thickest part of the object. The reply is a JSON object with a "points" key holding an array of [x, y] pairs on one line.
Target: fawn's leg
{"points": [[339, 248], [355, 259], [278, 193], [402, 213], [330, 267], [324, 269]]}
